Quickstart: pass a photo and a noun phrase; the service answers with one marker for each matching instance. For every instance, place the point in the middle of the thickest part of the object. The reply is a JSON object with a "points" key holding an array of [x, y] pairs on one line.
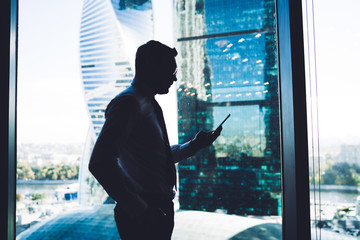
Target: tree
{"points": [[24, 172], [341, 174], [50, 172], [18, 197]]}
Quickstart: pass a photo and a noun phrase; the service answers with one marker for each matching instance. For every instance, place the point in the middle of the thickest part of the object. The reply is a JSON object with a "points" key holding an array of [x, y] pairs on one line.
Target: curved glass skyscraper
{"points": [[111, 31]]}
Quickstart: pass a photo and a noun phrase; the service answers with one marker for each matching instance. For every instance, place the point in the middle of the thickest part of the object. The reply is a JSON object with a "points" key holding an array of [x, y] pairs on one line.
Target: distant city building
{"points": [[228, 64], [349, 154], [37, 155], [110, 33]]}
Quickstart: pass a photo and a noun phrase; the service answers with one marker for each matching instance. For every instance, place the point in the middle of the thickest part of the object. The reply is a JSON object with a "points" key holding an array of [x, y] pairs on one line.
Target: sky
{"points": [[337, 40], [51, 106]]}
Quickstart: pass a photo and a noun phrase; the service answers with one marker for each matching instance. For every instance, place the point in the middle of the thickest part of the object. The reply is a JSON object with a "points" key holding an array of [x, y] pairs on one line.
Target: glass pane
{"points": [[331, 52], [227, 16], [93, 49], [51, 118], [228, 65]]}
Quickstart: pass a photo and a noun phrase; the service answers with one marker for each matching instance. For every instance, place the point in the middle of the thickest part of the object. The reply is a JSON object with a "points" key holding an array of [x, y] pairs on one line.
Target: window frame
{"points": [[294, 143], [293, 122], [8, 23]]}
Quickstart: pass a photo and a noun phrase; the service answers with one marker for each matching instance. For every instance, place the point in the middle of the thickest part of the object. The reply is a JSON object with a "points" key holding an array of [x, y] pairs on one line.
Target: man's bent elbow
{"points": [[92, 168]]}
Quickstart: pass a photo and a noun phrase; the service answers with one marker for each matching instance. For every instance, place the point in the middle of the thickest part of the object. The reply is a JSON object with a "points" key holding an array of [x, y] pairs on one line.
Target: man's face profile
{"points": [[166, 78], [155, 65]]}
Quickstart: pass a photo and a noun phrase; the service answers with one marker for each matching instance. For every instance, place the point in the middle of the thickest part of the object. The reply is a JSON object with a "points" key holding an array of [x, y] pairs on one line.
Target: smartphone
{"points": [[217, 129]]}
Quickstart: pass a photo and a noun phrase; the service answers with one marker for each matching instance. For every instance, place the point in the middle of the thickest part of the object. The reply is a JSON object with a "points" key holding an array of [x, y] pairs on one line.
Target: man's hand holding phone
{"points": [[204, 139]]}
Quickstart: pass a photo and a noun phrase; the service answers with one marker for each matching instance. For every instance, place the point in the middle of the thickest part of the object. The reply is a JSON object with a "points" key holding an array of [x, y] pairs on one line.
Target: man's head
{"points": [[155, 65]]}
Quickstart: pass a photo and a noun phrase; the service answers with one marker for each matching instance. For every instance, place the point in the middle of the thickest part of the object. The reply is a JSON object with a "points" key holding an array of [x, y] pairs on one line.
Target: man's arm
{"points": [[202, 139], [180, 152], [103, 163]]}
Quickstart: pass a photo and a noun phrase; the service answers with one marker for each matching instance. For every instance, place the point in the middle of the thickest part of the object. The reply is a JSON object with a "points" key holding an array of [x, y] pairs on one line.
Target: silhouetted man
{"points": [[132, 158]]}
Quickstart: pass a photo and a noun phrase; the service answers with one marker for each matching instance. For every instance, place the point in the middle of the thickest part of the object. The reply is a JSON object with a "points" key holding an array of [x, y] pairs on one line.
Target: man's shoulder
{"points": [[130, 92], [127, 99], [125, 94]]}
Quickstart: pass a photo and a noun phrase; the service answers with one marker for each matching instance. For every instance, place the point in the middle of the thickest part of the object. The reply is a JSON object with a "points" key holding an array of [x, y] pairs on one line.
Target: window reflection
{"points": [[236, 74]]}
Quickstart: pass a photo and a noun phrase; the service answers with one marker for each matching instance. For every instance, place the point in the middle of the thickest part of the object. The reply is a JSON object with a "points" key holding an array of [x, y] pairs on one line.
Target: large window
{"points": [[332, 51], [51, 117], [235, 57]]}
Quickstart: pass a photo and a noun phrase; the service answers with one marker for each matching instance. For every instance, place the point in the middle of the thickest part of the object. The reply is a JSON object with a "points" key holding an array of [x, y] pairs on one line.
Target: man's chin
{"points": [[163, 91]]}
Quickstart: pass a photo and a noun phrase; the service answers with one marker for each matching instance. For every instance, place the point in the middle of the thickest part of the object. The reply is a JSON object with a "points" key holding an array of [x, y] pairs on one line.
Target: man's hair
{"points": [[152, 58]]}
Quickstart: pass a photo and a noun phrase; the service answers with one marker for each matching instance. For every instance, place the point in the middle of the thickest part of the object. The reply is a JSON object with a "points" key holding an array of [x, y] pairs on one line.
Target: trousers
{"points": [[158, 228]]}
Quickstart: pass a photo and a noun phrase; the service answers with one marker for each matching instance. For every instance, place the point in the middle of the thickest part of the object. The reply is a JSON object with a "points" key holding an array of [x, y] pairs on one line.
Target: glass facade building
{"points": [[228, 65], [110, 33]]}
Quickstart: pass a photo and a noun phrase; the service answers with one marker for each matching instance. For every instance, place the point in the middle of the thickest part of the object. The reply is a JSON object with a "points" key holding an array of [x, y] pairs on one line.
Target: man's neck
{"points": [[145, 88]]}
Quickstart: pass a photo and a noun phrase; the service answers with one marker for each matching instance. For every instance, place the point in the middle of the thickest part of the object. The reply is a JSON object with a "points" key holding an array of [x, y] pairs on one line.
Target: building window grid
{"points": [[100, 25], [89, 3], [220, 81], [95, 17], [95, 43], [94, 8], [100, 20], [103, 31]]}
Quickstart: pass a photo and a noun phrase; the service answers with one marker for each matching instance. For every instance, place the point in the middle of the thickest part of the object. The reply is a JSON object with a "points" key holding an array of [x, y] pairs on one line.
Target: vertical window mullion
{"points": [[295, 173], [8, 71]]}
